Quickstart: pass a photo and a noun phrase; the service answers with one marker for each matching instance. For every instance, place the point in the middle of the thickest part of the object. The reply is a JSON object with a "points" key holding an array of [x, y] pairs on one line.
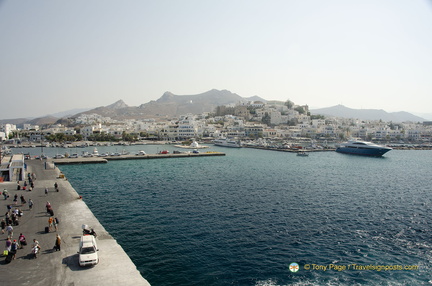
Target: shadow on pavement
{"points": [[72, 262]]}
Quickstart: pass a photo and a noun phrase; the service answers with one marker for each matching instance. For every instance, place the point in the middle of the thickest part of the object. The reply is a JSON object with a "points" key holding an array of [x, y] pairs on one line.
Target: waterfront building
{"points": [[254, 131], [12, 168]]}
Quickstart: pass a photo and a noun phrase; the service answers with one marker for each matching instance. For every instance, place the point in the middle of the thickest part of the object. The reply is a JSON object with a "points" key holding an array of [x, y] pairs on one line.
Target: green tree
{"points": [[300, 110], [289, 104], [266, 118]]}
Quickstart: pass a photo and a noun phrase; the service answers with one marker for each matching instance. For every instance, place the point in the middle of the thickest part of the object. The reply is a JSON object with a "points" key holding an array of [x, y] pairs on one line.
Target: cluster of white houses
{"points": [[244, 122]]}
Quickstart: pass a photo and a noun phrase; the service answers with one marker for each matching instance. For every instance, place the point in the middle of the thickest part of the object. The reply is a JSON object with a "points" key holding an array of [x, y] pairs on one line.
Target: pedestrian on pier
{"points": [[9, 229], [3, 225], [22, 240], [57, 243], [35, 248], [50, 223], [55, 222], [14, 248], [49, 209], [8, 244]]}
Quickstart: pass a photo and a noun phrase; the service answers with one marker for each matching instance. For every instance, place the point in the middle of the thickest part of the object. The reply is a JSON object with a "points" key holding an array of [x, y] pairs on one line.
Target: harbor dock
{"points": [[88, 160], [60, 267]]}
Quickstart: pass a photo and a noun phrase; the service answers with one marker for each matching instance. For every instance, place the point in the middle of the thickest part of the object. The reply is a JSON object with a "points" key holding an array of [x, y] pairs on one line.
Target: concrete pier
{"points": [[105, 159], [60, 267]]}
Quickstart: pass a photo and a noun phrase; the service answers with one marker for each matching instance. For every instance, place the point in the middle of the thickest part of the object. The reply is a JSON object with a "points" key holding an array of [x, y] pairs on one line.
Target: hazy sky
{"points": [[61, 55]]}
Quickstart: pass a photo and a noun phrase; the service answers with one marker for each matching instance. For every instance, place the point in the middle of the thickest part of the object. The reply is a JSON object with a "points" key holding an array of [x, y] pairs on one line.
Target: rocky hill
{"points": [[367, 114], [169, 105], [172, 105]]}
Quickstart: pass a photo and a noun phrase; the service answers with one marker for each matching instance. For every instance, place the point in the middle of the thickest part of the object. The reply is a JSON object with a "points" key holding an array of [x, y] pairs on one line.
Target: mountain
{"points": [[16, 121], [19, 122], [427, 116], [46, 120], [170, 105], [255, 98], [174, 105], [367, 114], [69, 113], [118, 105]]}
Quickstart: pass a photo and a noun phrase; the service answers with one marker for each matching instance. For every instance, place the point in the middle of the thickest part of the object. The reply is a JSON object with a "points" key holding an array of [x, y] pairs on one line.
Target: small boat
{"points": [[302, 153], [364, 148], [193, 145]]}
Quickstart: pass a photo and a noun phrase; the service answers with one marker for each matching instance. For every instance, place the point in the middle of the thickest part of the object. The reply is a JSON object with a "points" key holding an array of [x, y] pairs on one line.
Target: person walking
{"points": [[8, 244], [50, 223], [3, 225], [55, 224], [9, 229], [22, 240], [35, 248], [57, 243], [30, 203], [14, 248], [5, 194], [23, 201], [48, 207]]}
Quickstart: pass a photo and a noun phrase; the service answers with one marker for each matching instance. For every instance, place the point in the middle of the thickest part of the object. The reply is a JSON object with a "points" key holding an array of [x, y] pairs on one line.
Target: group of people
{"points": [[11, 219], [31, 178], [52, 223]]}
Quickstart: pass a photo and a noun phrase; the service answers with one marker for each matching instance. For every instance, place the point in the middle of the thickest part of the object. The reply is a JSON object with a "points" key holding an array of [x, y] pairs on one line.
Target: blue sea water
{"points": [[242, 219]]}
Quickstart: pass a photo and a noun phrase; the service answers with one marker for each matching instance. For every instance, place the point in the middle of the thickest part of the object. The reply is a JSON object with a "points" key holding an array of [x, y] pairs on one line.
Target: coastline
{"points": [[61, 267]]}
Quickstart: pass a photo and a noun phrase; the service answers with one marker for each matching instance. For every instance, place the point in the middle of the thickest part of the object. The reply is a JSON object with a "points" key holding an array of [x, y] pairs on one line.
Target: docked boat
{"points": [[193, 145], [302, 153], [225, 142], [362, 148]]}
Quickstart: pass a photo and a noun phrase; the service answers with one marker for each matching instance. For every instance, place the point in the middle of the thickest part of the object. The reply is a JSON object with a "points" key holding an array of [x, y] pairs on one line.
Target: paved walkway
{"points": [[61, 267]]}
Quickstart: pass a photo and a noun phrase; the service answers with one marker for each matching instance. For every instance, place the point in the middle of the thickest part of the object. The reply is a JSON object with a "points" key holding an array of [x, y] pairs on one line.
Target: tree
{"points": [[289, 104], [266, 119], [300, 110], [317, 116]]}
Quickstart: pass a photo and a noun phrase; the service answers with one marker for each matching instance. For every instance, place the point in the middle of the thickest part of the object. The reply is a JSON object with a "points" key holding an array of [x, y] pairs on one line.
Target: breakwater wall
{"points": [[91, 160]]}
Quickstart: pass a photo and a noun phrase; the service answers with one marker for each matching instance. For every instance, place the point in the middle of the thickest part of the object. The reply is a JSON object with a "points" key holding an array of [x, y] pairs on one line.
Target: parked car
{"points": [[88, 251], [164, 152]]}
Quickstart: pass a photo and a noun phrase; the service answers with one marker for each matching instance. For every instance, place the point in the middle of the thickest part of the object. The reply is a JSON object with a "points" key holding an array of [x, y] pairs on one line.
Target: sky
{"points": [[61, 55]]}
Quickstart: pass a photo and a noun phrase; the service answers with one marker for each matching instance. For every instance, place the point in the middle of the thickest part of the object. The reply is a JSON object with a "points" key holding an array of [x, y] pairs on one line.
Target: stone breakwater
{"points": [[60, 267]]}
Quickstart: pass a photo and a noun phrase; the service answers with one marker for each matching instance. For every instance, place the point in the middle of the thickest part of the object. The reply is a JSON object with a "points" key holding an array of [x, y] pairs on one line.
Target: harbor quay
{"points": [[105, 159], [53, 267]]}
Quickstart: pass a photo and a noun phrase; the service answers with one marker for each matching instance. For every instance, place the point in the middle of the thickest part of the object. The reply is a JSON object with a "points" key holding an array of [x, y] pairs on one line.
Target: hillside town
{"points": [[254, 121]]}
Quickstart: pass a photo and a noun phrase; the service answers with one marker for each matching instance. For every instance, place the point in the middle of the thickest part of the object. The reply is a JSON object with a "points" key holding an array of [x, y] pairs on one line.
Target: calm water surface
{"points": [[244, 218]]}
